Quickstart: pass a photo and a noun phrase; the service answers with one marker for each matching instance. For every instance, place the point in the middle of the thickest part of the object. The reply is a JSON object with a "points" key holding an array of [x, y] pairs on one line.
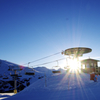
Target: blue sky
{"points": [[32, 29]]}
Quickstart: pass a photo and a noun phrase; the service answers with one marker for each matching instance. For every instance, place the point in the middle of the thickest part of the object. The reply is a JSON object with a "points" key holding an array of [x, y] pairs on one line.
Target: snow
{"points": [[5, 95], [45, 85], [61, 87], [7, 81]]}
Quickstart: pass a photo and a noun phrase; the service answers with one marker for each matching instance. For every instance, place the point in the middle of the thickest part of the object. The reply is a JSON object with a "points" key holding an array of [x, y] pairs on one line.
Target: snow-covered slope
{"points": [[7, 81], [61, 87]]}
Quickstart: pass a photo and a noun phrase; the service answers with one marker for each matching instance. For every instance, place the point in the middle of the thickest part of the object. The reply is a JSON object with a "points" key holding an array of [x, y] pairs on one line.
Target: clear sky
{"points": [[32, 29]]}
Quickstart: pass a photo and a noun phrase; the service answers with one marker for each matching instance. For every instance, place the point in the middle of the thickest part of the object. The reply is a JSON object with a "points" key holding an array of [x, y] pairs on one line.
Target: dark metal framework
{"points": [[77, 51]]}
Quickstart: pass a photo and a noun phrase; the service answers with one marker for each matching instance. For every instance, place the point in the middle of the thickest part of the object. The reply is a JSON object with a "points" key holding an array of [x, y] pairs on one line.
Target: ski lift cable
{"points": [[42, 58], [49, 62]]}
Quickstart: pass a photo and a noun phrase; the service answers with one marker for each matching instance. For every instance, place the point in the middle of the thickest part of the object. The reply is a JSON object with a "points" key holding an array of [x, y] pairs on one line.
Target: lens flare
{"points": [[74, 65]]}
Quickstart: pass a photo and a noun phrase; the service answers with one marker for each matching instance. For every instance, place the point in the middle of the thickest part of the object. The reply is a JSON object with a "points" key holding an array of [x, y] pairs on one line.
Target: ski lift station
{"points": [[90, 65], [87, 65], [74, 54]]}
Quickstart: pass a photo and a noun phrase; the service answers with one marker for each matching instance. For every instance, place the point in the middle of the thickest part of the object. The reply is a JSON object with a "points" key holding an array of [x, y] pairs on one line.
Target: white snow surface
{"points": [[61, 87], [5, 95]]}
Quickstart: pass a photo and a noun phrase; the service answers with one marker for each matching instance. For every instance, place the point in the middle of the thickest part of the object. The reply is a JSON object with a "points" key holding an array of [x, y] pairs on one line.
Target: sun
{"points": [[74, 64]]}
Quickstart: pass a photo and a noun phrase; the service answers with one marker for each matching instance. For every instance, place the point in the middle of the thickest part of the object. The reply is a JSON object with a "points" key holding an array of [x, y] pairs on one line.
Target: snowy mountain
{"points": [[26, 76], [43, 70]]}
